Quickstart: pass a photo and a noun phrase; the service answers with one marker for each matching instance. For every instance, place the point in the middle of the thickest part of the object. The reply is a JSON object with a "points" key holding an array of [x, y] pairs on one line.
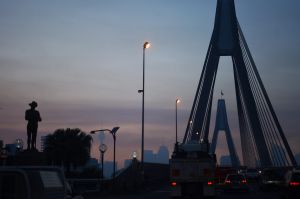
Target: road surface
{"points": [[163, 193]]}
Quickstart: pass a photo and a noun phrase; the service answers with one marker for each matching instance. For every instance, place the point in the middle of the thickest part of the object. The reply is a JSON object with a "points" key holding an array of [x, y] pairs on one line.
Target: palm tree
{"points": [[68, 147]]}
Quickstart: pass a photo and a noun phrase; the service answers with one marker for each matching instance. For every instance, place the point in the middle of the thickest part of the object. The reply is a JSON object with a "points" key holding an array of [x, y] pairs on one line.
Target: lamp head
{"points": [[147, 45], [114, 130], [102, 148], [134, 155], [19, 144]]}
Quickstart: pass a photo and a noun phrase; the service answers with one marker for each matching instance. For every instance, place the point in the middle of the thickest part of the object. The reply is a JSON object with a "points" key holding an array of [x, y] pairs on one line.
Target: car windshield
{"points": [[296, 177], [251, 171], [273, 175], [235, 177]]}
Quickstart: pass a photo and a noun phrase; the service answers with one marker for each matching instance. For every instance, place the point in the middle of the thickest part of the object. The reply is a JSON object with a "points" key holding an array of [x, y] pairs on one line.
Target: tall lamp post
{"points": [[145, 46], [176, 104], [102, 149], [113, 133]]}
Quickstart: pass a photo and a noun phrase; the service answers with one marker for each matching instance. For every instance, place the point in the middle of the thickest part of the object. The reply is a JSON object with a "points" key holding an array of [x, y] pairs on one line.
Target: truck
{"points": [[192, 171]]}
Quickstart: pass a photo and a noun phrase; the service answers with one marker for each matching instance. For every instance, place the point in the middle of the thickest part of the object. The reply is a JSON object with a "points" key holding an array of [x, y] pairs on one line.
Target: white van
{"points": [[32, 183]]}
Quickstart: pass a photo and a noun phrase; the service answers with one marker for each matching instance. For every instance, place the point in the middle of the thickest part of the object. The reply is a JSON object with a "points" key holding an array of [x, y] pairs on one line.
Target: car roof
{"points": [[235, 174], [296, 171]]}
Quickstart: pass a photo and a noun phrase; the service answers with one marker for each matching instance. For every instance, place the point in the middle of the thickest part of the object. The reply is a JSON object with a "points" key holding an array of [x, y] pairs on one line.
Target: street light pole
{"points": [[113, 133], [114, 174], [102, 164], [176, 103], [102, 149], [146, 45]]}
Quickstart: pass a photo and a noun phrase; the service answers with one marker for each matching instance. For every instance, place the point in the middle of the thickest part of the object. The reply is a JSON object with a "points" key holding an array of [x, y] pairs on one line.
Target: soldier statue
{"points": [[33, 117]]}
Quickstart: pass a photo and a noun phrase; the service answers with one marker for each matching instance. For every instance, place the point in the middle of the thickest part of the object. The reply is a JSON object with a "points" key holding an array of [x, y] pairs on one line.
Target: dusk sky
{"points": [[81, 60]]}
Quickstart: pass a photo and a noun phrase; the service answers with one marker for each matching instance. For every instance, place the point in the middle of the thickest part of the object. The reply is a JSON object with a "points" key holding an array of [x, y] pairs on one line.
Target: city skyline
{"points": [[82, 63]]}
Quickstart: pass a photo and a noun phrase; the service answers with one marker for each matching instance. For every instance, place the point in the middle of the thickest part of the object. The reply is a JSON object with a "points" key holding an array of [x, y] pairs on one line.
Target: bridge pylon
{"points": [[260, 129], [222, 125]]}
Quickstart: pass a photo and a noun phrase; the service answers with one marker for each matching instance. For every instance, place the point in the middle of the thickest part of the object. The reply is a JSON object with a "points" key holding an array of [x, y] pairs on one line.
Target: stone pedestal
{"points": [[27, 158]]}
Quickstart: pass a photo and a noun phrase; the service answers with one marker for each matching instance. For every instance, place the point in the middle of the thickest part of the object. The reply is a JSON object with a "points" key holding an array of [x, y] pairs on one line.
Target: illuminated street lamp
{"points": [[113, 133], [134, 155], [145, 46], [19, 144]]}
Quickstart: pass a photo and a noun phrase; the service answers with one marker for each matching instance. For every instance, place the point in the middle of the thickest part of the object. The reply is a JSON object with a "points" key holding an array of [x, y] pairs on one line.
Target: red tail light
{"points": [[244, 181], [294, 183], [227, 181], [174, 184], [210, 183]]}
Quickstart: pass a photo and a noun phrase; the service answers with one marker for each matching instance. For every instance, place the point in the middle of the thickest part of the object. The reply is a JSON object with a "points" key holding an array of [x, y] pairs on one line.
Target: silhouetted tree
{"points": [[68, 147]]}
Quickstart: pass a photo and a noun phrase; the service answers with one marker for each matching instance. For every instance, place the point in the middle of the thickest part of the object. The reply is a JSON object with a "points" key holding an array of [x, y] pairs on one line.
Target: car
{"points": [[34, 182], [272, 179], [291, 188], [236, 182], [252, 175]]}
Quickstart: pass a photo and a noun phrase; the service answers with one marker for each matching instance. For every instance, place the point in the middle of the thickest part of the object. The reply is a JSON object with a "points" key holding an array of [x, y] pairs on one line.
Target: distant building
{"points": [[109, 168], [162, 156], [92, 162], [127, 163], [149, 156], [11, 149]]}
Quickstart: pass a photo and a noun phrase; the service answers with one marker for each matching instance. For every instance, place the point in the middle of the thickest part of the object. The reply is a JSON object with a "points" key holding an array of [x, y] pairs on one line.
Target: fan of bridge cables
{"points": [[275, 140]]}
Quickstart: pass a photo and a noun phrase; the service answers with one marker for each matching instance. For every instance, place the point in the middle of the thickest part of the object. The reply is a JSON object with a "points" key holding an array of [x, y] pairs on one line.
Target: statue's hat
{"points": [[33, 104]]}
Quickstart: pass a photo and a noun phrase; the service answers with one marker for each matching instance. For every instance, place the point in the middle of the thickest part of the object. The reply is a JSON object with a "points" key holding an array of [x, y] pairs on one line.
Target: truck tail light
{"points": [[293, 184], [173, 184], [210, 183], [244, 181]]}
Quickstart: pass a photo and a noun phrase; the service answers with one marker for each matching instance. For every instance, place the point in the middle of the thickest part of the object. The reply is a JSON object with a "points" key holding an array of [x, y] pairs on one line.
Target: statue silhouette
{"points": [[33, 117]]}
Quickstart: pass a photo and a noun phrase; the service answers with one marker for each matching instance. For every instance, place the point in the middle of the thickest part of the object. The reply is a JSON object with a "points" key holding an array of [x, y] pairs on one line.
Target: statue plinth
{"points": [[27, 158]]}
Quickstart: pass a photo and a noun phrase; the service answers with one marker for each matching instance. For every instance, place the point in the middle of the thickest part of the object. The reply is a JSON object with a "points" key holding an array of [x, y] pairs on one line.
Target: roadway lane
{"points": [[163, 193], [157, 193], [253, 193]]}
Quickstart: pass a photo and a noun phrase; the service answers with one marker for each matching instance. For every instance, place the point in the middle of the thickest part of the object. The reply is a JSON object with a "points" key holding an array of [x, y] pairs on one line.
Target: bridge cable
{"points": [[261, 109], [262, 114], [284, 140], [279, 143], [265, 117], [248, 133]]}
